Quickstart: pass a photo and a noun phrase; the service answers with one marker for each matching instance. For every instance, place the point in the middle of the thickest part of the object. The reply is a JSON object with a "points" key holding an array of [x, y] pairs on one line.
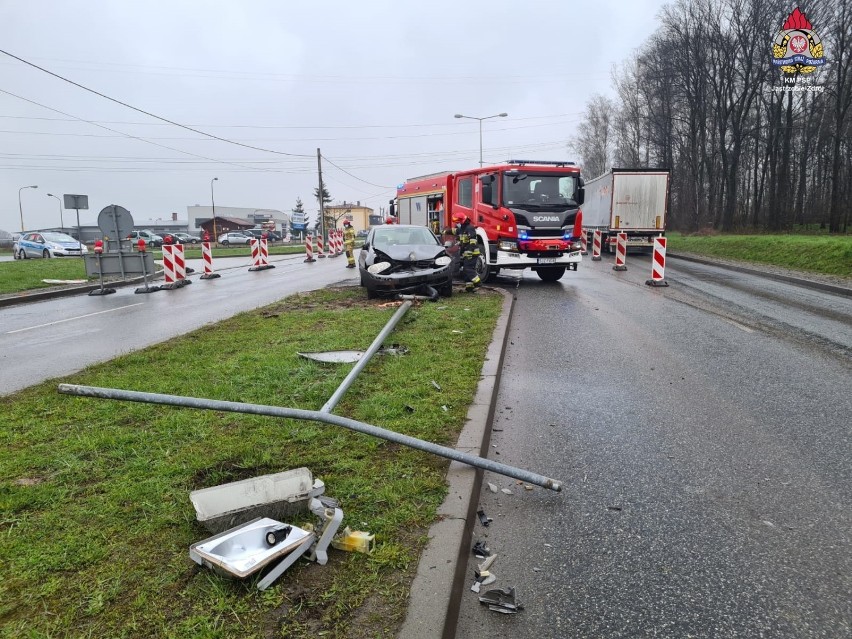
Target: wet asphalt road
{"points": [[56, 337], [703, 435]]}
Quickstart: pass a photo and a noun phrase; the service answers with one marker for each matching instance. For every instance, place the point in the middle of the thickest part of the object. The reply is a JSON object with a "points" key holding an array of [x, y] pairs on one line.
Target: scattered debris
{"points": [[409, 408], [455, 330], [485, 565], [444, 408], [480, 550], [354, 541], [492, 487], [528, 487], [501, 600], [393, 349], [436, 385], [334, 357], [483, 519], [506, 491], [615, 508]]}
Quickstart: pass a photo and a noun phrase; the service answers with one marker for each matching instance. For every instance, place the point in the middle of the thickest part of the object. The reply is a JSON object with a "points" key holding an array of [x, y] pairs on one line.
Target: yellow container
{"points": [[354, 541]]}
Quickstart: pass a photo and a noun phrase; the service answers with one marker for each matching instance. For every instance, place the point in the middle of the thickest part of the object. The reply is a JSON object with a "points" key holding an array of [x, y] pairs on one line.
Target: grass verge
{"points": [[94, 494], [828, 255]]}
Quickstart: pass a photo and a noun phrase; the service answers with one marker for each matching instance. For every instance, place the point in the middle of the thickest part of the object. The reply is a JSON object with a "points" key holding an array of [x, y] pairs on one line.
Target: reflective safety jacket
{"points": [[348, 238]]}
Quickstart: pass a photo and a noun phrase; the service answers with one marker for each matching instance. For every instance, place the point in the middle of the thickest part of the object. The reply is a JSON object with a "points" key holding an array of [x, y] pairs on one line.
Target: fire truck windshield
{"points": [[526, 189]]}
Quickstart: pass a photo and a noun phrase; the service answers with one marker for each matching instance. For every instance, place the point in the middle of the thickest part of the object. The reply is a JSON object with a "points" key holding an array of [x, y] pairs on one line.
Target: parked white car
{"points": [[234, 238], [47, 244]]}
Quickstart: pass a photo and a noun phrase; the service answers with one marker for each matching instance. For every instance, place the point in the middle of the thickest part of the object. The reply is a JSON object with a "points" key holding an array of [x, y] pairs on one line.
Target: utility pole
{"points": [[321, 198]]}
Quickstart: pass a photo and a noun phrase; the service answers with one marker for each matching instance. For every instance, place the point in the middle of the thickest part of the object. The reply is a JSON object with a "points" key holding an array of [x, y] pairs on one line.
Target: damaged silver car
{"points": [[405, 259]]}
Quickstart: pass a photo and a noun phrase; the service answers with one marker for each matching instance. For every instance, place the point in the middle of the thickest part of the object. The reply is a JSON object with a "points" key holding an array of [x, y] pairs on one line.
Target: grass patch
{"points": [[95, 517], [829, 255], [26, 275]]}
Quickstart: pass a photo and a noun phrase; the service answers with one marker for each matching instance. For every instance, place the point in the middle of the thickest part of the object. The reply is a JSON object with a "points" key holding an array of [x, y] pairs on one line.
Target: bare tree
{"points": [[594, 143]]}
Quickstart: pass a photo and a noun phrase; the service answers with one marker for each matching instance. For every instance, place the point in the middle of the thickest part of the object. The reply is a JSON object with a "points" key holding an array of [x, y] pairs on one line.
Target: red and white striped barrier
{"points": [[658, 264], [174, 266], [309, 248], [320, 248], [620, 253], [596, 245], [334, 243], [584, 240], [207, 258], [260, 255]]}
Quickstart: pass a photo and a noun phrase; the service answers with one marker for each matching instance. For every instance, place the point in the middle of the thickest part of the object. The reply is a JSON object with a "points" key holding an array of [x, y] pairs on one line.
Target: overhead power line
{"points": [[149, 114], [121, 133]]}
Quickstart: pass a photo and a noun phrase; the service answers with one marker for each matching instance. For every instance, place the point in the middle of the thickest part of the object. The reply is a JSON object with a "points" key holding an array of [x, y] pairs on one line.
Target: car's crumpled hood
{"points": [[402, 252]]}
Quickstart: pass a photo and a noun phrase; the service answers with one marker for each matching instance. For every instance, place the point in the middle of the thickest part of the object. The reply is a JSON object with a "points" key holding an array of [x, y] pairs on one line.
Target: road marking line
{"points": [[30, 328]]}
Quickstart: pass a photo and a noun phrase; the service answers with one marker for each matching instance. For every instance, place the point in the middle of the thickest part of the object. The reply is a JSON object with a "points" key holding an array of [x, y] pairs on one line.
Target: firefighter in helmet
{"points": [[466, 239], [349, 243]]}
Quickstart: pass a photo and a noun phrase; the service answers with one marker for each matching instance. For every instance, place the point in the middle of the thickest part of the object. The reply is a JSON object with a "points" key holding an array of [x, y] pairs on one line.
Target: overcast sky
{"points": [[374, 85]]}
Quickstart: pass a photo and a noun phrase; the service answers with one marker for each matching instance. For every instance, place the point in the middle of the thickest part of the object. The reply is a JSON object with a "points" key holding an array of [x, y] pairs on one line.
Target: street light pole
{"points": [[61, 219], [488, 117], [20, 206], [213, 201]]}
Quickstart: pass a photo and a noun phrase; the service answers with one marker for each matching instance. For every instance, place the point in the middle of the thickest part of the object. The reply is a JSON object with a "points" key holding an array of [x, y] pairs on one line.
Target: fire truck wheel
{"points": [[551, 274], [486, 273]]}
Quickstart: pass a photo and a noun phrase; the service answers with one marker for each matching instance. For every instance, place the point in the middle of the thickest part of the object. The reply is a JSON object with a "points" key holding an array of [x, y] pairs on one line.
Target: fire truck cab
{"points": [[527, 213]]}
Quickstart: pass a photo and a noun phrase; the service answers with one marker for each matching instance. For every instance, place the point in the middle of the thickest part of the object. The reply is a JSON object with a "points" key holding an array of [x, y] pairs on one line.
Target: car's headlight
{"points": [[443, 260], [507, 245], [379, 267]]}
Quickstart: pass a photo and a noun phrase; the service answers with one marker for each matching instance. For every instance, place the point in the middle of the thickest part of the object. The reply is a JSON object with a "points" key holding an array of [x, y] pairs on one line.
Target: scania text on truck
{"points": [[527, 213], [631, 201]]}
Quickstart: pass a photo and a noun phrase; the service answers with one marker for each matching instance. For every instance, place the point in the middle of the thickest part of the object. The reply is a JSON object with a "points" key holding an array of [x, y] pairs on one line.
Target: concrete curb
{"points": [[53, 293], [433, 604]]}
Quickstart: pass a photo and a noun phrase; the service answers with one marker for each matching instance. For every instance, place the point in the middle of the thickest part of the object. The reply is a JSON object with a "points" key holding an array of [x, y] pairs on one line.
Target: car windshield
{"points": [[392, 235], [58, 237], [523, 188]]}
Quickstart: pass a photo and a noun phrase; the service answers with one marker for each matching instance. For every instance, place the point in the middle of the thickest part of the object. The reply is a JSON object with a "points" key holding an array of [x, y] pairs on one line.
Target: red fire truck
{"points": [[527, 213]]}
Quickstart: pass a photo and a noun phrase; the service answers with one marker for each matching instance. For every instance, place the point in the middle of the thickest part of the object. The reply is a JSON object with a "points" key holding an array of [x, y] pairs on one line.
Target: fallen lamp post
{"points": [[316, 416]]}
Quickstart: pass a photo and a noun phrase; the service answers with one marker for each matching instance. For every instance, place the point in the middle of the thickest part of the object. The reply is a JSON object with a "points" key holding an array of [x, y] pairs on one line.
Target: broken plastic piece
{"points": [[485, 565], [501, 600], [436, 385], [483, 519], [355, 541], [481, 550]]}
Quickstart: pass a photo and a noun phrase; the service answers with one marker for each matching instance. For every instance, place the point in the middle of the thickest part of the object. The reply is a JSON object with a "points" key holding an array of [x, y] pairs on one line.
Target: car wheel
{"points": [[447, 289], [371, 294], [21, 254], [224, 242], [45, 254]]}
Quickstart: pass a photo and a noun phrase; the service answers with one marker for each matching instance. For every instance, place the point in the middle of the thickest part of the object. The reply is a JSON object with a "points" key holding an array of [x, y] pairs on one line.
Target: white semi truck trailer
{"points": [[631, 201]]}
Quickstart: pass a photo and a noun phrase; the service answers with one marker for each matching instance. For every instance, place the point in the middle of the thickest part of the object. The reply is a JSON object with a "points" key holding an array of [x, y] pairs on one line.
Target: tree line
{"points": [[702, 98]]}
